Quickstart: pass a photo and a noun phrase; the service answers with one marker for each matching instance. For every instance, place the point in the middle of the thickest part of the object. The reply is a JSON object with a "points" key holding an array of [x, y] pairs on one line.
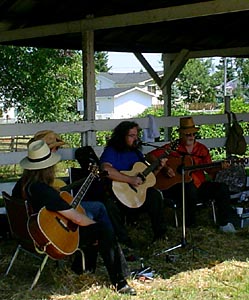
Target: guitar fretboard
{"points": [[82, 191]]}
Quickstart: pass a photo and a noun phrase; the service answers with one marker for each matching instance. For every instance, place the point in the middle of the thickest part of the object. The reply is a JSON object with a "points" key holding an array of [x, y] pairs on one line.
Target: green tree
{"points": [[194, 82], [242, 69], [44, 84], [101, 60]]}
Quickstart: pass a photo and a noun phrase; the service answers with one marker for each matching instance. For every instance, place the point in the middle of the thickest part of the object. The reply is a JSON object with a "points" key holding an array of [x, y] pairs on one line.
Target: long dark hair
{"points": [[46, 175], [117, 140]]}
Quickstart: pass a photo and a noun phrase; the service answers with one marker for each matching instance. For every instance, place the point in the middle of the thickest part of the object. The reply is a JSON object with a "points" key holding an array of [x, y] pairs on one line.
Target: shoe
{"points": [[124, 288], [127, 290], [228, 228], [76, 268], [77, 265]]}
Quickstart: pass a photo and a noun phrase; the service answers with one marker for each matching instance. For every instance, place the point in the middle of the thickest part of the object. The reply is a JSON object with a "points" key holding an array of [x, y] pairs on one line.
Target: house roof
{"points": [[126, 78], [160, 26], [112, 92]]}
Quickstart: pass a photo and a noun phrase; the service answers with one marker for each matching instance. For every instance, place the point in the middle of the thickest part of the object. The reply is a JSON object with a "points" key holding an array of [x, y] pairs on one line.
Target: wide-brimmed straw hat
{"points": [[52, 139], [187, 125], [39, 156]]}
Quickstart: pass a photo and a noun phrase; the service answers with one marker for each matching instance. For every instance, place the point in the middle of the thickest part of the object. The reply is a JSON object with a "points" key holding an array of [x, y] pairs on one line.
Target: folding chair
{"points": [[18, 214]]}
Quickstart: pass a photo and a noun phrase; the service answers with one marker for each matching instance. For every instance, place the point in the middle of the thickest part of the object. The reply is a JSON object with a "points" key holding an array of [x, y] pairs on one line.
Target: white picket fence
{"points": [[88, 130]]}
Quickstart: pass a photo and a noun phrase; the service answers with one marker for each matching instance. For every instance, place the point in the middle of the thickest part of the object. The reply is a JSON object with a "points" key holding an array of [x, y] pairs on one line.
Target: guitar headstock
{"points": [[94, 169]]}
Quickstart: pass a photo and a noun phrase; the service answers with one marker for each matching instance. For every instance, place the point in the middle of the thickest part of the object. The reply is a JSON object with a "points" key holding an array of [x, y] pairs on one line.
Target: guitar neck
{"points": [[203, 166], [155, 163], [72, 185], [214, 164], [82, 191]]}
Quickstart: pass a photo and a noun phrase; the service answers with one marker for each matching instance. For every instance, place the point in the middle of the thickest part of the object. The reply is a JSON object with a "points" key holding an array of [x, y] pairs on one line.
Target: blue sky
{"points": [[124, 62], [127, 62]]}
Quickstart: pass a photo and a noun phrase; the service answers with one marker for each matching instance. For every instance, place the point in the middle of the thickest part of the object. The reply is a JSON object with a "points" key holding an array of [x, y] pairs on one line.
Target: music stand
{"points": [[183, 240]]}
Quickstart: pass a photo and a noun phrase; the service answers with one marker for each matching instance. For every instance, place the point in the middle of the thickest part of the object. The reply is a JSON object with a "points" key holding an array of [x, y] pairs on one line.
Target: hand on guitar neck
{"points": [[172, 174]]}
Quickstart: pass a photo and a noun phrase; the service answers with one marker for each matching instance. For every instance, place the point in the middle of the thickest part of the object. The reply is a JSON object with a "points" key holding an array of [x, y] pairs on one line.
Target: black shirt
{"points": [[40, 195]]}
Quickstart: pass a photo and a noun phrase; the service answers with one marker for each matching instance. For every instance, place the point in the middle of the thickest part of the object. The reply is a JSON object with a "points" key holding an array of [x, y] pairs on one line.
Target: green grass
{"points": [[212, 265]]}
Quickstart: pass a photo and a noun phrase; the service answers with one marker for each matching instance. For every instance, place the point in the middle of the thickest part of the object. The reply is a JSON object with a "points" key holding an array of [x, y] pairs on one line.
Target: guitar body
{"points": [[164, 182], [53, 233], [133, 197]]}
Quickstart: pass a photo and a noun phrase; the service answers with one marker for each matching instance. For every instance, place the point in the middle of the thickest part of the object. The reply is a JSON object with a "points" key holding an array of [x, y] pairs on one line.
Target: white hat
{"points": [[39, 156]]}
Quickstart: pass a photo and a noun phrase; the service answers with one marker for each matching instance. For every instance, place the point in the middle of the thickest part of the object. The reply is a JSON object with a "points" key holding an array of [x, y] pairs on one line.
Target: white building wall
{"points": [[131, 104], [105, 108]]}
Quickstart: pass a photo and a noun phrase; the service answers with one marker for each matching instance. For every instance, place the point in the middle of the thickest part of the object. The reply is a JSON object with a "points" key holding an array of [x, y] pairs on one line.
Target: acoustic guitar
{"points": [[54, 234], [134, 197], [164, 182]]}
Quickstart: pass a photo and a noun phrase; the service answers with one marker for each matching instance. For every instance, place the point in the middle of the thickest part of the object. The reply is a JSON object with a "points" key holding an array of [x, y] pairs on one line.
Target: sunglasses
{"points": [[190, 134]]}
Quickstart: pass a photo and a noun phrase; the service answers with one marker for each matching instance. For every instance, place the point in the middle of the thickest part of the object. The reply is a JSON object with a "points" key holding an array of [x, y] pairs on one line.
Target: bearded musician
{"points": [[197, 188]]}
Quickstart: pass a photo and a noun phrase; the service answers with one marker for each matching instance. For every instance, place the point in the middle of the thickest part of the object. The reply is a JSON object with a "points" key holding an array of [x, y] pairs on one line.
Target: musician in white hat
{"points": [[190, 152], [35, 184]]}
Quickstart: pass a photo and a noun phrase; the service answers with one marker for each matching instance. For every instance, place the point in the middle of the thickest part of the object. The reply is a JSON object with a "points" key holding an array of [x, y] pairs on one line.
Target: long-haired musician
{"points": [[131, 193], [38, 175]]}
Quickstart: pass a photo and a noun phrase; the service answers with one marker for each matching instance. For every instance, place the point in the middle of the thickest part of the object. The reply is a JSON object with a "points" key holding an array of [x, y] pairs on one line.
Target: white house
{"points": [[120, 103], [124, 95]]}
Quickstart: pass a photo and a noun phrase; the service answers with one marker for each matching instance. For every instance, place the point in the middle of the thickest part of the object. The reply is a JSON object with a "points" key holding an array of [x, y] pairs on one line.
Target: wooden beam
{"points": [[174, 69], [148, 68], [228, 52], [173, 13]]}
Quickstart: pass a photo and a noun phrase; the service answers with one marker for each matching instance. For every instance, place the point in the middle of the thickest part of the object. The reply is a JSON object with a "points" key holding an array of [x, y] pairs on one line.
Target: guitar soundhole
{"points": [[68, 226], [133, 188]]}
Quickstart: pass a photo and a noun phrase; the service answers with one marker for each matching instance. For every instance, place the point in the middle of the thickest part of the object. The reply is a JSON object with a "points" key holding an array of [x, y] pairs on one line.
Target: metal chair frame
{"points": [[19, 232]]}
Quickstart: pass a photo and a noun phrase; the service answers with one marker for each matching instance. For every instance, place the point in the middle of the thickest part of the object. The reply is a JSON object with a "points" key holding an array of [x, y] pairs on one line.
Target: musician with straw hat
{"points": [[35, 186]]}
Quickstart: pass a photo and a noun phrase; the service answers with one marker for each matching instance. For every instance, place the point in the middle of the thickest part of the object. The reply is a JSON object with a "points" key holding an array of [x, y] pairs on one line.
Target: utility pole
{"points": [[226, 98]]}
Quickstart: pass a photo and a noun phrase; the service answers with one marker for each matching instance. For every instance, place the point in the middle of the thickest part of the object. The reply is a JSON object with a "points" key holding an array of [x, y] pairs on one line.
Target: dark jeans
{"points": [[220, 193], [175, 193], [207, 191], [96, 210], [108, 248], [153, 205]]}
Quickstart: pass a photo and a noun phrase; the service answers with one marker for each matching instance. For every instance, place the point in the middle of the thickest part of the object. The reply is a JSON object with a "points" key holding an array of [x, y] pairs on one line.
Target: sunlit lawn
{"points": [[212, 265]]}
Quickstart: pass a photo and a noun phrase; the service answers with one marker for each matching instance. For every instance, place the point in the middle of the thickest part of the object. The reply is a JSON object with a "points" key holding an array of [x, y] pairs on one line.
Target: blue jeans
{"points": [[96, 210]]}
